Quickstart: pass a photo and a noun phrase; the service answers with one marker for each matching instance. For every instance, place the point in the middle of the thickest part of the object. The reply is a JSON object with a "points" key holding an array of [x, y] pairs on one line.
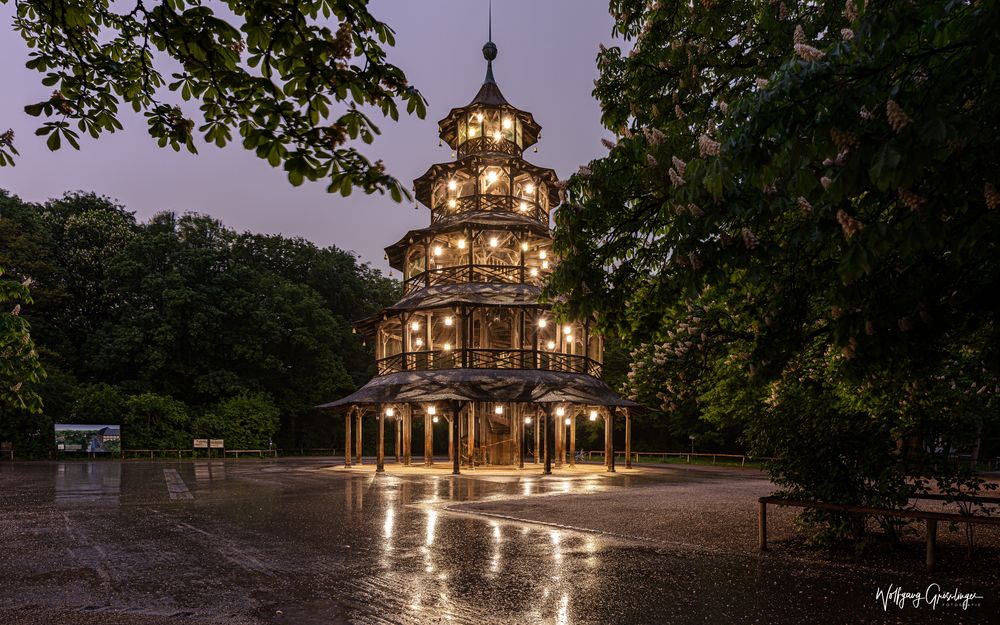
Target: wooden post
{"points": [[472, 435], [931, 543], [558, 431], [762, 525], [538, 426], [407, 434], [380, 449], [347, 437], [357, 435], [611, 441], [399, 434], [428, 439], [628, 438], [547, 412], [572, 440], [520, 439], [454, 440], [606, 419]]}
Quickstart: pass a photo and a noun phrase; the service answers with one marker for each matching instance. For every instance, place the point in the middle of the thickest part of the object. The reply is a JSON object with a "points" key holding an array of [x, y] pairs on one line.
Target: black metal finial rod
{"points": [[490, 49]]}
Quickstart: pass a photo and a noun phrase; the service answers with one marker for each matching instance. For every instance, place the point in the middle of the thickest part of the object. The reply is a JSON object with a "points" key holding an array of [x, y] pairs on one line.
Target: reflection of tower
{"points": [[470, 327]]}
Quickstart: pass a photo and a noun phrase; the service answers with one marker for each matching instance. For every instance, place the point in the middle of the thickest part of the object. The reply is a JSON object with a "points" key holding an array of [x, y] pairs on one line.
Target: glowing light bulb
{"points": [[389, 412], [432, 410], [420, 342], [452, 203], [461, 244], [545, 264], [507, 123], [542, 322], [472, 132], [452, 185], [543, 254], [447, 347], [435, 419], [569, 338], [437, 250], [552, 344], [497, 135], [494, 242], [560, 411], [568, 330], [491, 177], [447, 321], [524, 247], [415, 326], [527, 420], [498, 410], [593, 415], [534, 272], [479, 118], [529, 188], [568, 421], [523, 206]]}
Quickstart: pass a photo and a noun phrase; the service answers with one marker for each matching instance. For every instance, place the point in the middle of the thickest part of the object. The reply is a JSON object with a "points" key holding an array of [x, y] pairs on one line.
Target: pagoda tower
{"points": [[470, 343]]}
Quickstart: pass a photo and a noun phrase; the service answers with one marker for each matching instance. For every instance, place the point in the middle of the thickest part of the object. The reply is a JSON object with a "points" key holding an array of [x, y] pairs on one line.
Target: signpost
{"points": [[209, 444]]}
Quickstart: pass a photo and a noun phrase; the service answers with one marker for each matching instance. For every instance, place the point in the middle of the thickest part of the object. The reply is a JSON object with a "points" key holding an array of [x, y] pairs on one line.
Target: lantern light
{"points": [[461, 244], [552, 344], [437, 250], [415, 326], [472, 131], [498, 410], [529, 188], [568, 330], [420, 342], [593, 415], [569, 338], [542, 322], [527, 420], [435, 419], [452, 185], [497, 135], [452, 203], [543, 254], [524, 247], [560, 411], [506, 123], [432, 410], [534, 272], [568, 421], [479, 118], [447, 347], [448, 321], [491, 176], [523, 206], [494, 242], [545, 264], [389, 412]]}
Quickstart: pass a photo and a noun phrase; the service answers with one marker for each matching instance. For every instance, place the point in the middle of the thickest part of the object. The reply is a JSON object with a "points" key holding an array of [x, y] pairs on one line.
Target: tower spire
{"points": [[490, 50]]}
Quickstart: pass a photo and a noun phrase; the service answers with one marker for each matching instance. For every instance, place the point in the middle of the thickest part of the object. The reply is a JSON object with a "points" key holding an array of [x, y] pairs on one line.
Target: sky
{"points": [[546, 65]]}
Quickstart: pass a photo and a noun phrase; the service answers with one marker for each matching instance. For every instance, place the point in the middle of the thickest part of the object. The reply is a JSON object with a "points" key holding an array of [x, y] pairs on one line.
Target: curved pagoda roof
{"points": [[494, 385]]}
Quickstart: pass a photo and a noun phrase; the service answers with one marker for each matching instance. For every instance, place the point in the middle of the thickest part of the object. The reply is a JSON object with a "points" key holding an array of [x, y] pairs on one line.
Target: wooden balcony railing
{"points": [[490, 203], [457, 274], [477, 358]]}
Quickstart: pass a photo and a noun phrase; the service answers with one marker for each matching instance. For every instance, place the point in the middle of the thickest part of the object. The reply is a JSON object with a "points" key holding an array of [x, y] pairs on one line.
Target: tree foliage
{"points": [[294, 81], [183, 309], [19, 366], [802, 203]]}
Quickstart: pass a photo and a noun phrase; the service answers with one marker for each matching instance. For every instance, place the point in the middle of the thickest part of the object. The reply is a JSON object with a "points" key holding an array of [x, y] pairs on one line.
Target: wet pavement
{"points": [[303, 541]]}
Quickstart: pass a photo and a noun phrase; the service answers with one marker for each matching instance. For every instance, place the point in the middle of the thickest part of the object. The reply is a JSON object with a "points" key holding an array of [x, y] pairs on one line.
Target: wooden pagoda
{"points": [[469, 341]]}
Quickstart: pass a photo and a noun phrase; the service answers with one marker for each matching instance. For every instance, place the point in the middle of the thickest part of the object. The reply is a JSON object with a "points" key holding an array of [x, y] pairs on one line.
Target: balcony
{"points": [[458, 274], [489, 203], [475, 358]]}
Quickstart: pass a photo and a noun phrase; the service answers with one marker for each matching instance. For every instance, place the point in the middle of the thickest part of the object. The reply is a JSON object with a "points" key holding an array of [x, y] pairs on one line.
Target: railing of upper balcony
{"points": [[486, 145], [474, 358], [487, 202], [458, 274]]}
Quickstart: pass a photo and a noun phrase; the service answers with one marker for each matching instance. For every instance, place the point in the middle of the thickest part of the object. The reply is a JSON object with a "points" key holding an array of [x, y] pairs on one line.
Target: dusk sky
{"points": [[546, 65]]}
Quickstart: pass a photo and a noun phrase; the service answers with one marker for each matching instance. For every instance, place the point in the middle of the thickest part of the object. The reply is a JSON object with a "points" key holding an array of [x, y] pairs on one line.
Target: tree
{"points": [[154, 421], [801, 203], [246, 421], [19, 366], [293, 79]]}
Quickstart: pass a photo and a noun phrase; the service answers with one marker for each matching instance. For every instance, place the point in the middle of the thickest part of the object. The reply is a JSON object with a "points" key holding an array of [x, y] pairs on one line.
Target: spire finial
{"points": [[490, 50]]}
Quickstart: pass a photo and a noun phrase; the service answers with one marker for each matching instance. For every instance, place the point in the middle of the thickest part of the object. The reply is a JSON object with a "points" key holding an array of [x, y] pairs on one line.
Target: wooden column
{"points": [[611, 441], [572, 440], [538, 425], [472, 435], [398, 420], [451, 437], [559, 431], [455, 439], [407, 433], [628, 438], [482, 437], [607, 419], [357, 435], [347, 437], [428, 439], [549, 437], [380, 449], [520, 438]]}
